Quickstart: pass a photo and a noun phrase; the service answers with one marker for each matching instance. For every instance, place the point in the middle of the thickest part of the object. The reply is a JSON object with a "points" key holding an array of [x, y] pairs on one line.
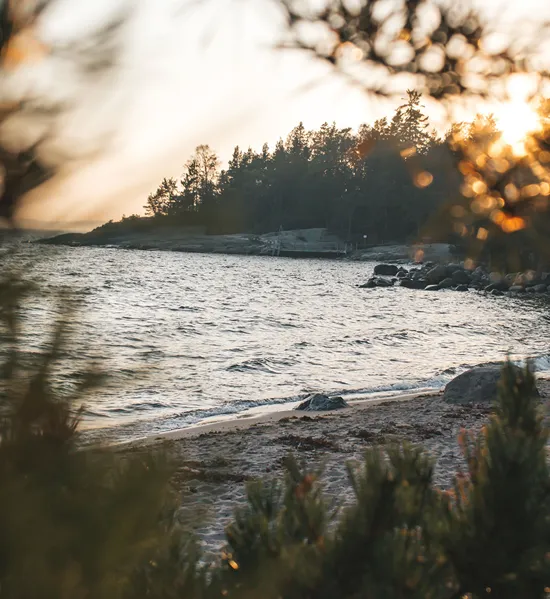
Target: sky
{"points": [[189, 72]]}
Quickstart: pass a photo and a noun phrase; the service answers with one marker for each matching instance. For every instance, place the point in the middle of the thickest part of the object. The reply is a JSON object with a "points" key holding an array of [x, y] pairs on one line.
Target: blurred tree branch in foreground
{"points": [[451, 53], [449, 49], [30, 159]]}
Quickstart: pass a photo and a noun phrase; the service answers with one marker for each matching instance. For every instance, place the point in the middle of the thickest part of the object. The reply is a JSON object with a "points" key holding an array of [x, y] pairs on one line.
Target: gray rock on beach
{"points": [[478, 385], [317, 402]]}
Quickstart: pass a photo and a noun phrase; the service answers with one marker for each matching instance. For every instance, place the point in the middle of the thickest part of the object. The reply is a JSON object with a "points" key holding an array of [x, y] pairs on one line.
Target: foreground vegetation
{"points": [[95, 524]]}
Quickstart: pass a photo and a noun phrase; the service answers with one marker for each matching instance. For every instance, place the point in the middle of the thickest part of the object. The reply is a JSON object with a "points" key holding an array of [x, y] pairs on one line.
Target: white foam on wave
{"points": [[275, 404], [540, 363]]}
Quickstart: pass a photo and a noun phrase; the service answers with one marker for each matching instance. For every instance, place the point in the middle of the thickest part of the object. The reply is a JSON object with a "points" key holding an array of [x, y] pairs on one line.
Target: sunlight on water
{"points": [[188, 336]]}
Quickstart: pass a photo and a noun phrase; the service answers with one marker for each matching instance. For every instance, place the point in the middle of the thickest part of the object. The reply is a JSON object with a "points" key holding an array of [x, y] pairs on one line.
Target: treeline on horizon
{"points": [[395, 181], [383, 181]]}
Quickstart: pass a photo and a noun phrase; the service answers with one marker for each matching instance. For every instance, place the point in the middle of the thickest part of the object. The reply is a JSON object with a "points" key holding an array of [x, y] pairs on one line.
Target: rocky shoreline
{"points": [[299, 243], [436, 277]]}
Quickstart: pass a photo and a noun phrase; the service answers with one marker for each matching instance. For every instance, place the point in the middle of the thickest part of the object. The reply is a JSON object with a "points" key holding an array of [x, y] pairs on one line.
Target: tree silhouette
{"points": [[161, 202], [450, 53]]}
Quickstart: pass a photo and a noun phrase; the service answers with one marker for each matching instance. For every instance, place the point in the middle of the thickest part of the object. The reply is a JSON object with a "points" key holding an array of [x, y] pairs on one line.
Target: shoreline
{"points": [[299, 243], [131, 433], [213, 462], [245, 420]]}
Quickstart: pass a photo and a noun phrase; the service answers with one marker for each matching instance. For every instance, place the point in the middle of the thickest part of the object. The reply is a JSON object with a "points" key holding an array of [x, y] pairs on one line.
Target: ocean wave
{"points": [[133, 408], [199, 415], [267, 365], [194, 417], [541, 363]]}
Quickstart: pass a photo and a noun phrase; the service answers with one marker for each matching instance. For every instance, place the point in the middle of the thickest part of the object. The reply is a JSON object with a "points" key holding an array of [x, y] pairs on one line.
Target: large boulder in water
{"points": [[414, 283], [386, 270], [461, 277], [478, 385], [498, 286], [377, 282], [369, 284], [452, 267], [446, 283], [436, 274], [317, 402], [382, 282]]}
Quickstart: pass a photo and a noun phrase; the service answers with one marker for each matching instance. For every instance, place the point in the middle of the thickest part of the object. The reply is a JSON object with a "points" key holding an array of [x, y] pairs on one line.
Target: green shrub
{"points": [[498, 536], [72, 523]]}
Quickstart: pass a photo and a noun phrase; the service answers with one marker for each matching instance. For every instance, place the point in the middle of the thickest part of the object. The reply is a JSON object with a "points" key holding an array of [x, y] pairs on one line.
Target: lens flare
{"points": [[517, 119]]}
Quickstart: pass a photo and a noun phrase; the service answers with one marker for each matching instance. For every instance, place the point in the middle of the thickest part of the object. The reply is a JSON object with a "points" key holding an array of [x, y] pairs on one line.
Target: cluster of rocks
{"points": [[434, 277]]}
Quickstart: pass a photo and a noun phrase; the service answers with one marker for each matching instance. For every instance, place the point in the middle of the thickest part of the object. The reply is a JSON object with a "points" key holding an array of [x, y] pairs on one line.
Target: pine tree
{"points": [[161, 203], [410, 125], [499, 525]]}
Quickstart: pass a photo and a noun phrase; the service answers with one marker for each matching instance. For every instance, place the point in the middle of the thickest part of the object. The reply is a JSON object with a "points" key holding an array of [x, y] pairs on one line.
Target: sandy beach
{"points": [[214, 461]]}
